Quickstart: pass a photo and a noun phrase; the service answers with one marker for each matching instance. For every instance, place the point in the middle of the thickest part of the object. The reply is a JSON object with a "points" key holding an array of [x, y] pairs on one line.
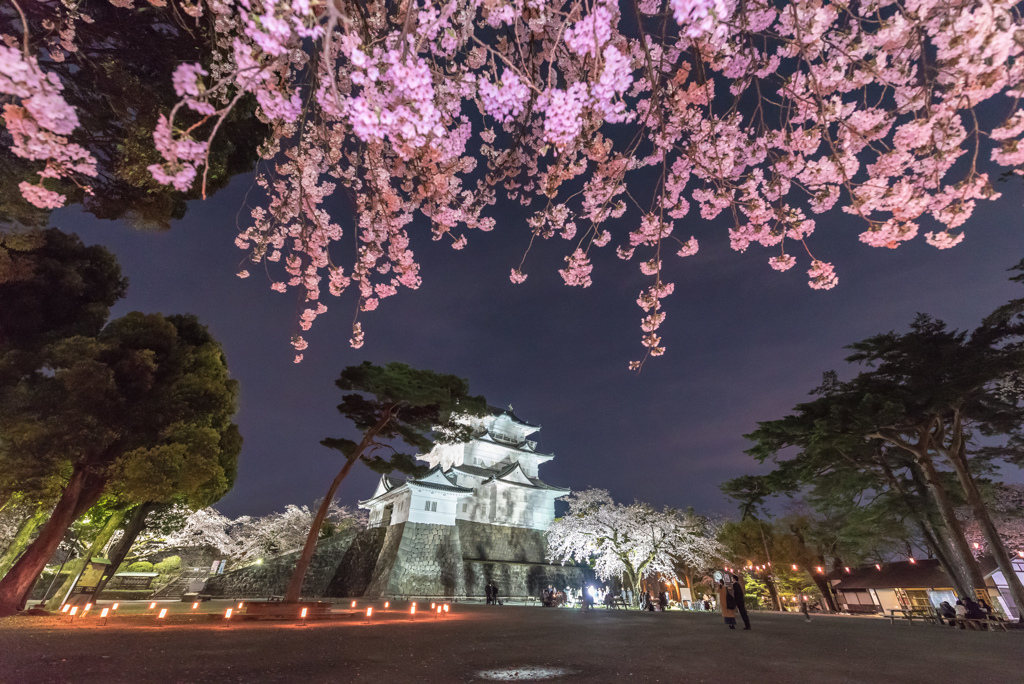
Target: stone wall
{"points": [[270, 578], [521, 579], [355, 571], [498, 543], [419, 559]]}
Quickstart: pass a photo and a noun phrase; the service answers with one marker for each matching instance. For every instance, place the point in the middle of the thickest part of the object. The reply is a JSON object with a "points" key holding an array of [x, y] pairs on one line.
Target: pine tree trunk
{"points": [[20, 541], [956, 533], [136, 523], [958, 458], [76, 566], [302, 565], [929, 530], [81, 492]]}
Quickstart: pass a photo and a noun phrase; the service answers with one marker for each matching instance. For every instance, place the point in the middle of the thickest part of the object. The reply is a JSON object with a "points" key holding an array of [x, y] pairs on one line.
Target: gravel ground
{"points": [[500, 643]]}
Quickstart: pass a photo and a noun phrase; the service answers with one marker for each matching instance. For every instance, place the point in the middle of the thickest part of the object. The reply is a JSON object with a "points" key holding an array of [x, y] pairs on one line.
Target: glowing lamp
{"points": [[878, 566], [240, 604], [977, 545], [794, 567], [912, 560], [259, 561], [413, 604], [846, 569], [163, 614], [114, 607], [387, 604], [820, 569], [1021, 554], [65, 608], [446, 607], [87, 606], [152, 605], [303, 614], [439, 610], [432, 606], [412, 611], [369, 612], [103, 613], [227, 614], [74, 609], [195, 605]]}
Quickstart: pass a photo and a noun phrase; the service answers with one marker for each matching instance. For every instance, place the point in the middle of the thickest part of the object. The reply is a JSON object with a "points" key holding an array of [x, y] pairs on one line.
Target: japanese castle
{"points": [[491, 479]]}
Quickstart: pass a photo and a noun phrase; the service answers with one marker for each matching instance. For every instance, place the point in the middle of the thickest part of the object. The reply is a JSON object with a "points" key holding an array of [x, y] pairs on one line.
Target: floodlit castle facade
{"points": [[478, 516], [492, 479]]}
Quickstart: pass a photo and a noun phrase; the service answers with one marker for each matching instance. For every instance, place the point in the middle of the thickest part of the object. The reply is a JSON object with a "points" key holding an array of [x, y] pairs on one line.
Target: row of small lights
{"points": [[820, 570], [439, 610]]}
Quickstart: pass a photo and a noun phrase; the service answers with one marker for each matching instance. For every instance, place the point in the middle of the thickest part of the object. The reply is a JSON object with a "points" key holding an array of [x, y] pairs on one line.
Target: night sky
{"points": [[745, 343]]}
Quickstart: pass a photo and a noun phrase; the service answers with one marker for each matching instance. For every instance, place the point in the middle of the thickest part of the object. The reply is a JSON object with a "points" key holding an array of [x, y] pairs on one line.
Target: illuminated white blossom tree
{"points": [[633, 541]]}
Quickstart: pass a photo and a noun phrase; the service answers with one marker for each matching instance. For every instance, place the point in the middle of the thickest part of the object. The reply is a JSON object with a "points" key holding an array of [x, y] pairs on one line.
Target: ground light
{"points": [[438, 613], [446, 608], [163, 614], [240, 604], [432, 606], [303, 615], [412, 611], [152, 605], [88, 606], [387, 604], [114, 607], [353, 604], [195, 605], [65, 608], [103, 614], [227, 614], [369, 614]]}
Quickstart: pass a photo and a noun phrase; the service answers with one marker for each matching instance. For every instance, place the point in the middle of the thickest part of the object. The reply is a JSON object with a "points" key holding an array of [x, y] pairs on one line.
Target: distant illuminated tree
{"points": [[633, 541]]}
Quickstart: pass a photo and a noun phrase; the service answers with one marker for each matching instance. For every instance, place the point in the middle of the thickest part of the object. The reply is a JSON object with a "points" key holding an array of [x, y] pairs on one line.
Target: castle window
{"points": [[430, 506], [465, 506]]}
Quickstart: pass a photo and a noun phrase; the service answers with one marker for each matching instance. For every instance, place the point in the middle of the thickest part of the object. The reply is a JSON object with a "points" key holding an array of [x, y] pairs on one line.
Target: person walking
{"points": [[587, 599], [728, 604], [805, 609], [741, 604]]}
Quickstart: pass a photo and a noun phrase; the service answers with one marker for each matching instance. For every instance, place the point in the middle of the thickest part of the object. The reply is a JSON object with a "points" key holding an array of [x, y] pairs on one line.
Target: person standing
{"points": [[727, 603], [741, 603], [805, 609], [490, 596]]}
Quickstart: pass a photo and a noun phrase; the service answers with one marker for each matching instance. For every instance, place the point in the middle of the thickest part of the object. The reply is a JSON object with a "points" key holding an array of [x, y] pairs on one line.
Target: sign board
{"points": [[90, 577], [223, 564]]}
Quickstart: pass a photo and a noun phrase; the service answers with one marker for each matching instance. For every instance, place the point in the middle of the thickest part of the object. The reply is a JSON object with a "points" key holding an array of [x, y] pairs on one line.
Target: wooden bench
{"points": [[980, 623], [909, 616]]}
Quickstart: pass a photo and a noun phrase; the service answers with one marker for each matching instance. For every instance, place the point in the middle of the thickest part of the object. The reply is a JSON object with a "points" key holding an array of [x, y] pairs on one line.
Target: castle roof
{"points": [[512, 474], [435, 479], [508, 412]]}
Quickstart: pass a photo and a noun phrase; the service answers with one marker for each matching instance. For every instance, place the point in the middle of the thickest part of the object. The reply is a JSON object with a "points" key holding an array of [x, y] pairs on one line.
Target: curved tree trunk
{"points": [[956, 536], [81, 492], [136, 523], [302, 565], [995, 542], [926, 523], [20, 541], [76, 566]]}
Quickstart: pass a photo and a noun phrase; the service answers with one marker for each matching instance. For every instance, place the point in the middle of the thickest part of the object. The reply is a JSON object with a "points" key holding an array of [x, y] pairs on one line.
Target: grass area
{"points": [[601, 646]]}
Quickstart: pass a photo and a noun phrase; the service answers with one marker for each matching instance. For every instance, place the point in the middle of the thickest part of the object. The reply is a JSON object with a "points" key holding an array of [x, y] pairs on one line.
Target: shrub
{"points": [[141, 566], [169, 565]]}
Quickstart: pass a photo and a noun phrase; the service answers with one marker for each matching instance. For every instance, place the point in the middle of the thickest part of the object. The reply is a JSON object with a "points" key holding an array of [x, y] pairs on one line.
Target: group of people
{"points": [[491, 591], [965, 609], [552, 597]]}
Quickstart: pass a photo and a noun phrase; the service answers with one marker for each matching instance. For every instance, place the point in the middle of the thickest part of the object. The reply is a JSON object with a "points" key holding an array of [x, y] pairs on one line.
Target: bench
{"points": [[980, 623], [909, 616]]}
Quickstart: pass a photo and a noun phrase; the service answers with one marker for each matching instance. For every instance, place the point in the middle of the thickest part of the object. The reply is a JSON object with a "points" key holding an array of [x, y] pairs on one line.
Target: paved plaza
{"points": [[500, 643]]}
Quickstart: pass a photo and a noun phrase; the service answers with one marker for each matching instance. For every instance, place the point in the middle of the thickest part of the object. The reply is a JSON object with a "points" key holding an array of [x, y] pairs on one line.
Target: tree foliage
{"points": [[631, 541]]}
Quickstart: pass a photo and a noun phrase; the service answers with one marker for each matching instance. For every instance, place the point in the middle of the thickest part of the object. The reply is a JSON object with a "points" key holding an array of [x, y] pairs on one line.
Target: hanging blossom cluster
{"points": [[39, 125], [612, 131]]}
